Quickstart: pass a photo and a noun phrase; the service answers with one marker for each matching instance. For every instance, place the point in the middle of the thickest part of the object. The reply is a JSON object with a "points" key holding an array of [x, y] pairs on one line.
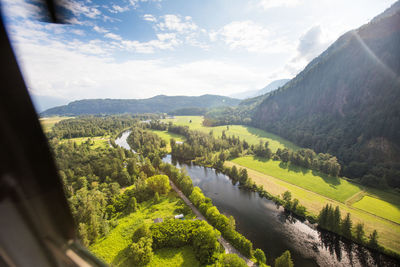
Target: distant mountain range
{"points": [[157, 104], [254, 93], [347, 102]]}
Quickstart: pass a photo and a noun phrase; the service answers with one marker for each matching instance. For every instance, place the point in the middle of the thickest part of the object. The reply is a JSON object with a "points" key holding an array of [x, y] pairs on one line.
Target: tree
{"points": [[232, 260], [287, 196], [205, 244], [360, 234], [159, 183], [373, 239], [346, 226], [141, 231], [141, 252], [285, 260], [336, 220], [260, 256]]}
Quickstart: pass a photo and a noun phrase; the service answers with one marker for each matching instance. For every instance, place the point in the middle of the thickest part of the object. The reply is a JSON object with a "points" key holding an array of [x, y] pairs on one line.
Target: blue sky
{"points": [[142, 48]]}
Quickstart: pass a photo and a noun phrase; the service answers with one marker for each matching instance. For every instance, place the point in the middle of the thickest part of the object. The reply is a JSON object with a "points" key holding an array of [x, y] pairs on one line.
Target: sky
{"points": [[142, 48]]}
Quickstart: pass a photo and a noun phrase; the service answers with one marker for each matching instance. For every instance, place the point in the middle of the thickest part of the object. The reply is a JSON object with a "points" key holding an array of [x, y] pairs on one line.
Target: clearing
{"points": [[331, 187], [250, 134]]}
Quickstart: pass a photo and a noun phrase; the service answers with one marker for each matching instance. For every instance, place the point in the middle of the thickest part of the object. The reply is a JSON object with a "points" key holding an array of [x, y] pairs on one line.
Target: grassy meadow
{"points": [[325, 185], [171, 257], [379, 207], [167, 136], [95, 142], [250, 134], [48, 122], [389, 231], [113, 247]]}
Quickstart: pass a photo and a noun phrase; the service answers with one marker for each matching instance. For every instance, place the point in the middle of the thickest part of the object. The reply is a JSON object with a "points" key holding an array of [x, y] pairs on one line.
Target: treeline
{"points": [[188, 111], [330, 219], [90, 126], [207, 150], [307, 158], [203, 147], [147, 143], [291, 205]]}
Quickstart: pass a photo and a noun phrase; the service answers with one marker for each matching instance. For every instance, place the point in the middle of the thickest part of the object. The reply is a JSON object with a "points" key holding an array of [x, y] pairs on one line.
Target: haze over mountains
{"points": [[254, 93]]}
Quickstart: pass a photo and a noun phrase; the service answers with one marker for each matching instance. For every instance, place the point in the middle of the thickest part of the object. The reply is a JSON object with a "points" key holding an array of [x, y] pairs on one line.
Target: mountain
{"points": [[347, 102], [157, 104], [269, 88]]}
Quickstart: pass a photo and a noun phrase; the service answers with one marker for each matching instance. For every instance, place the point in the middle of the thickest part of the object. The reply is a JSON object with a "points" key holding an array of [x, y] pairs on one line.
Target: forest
{"points": [[105, 185]]}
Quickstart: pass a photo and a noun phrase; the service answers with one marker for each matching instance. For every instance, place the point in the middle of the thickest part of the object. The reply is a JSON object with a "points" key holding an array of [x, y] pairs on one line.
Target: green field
{"points": [[379, 207], [112, 248], [167, 136], [171, 257], [389, 232], [48, 123], [250, 134], [96, 142], [331, 187]]}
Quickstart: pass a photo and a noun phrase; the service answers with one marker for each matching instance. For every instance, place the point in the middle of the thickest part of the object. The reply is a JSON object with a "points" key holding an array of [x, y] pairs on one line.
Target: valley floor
{"points": [[375, 208]]}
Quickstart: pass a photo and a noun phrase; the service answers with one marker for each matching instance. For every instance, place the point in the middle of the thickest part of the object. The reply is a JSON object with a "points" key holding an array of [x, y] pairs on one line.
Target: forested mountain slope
{"points": [[347, 102], [160, 103]]}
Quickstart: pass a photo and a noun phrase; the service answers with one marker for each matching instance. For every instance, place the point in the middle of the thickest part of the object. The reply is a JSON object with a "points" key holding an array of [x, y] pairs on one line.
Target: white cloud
{"points": [[113, 36], [176, 23], [79, 8], [311, 44], [119, 9], [73, 71], [267, 4], [250, 36], [20, 8], [149, 17], [99, 29], [78, 32]]}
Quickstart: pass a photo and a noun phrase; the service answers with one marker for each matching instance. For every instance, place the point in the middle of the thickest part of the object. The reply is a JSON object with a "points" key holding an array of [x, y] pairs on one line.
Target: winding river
{"points": [[273, 230]]}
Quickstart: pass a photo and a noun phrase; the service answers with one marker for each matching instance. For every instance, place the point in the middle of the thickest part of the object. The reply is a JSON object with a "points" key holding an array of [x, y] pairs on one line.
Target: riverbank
{"points": [[389, 232]]}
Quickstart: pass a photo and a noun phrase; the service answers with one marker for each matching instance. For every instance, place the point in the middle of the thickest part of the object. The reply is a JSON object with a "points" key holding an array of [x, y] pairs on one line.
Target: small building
{"points": [[180, 216], [158, 220]]}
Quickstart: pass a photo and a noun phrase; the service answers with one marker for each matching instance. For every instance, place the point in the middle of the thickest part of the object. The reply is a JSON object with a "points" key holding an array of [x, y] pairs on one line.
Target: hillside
{"points": [[254, 93], [157, 104], [346, 102]]}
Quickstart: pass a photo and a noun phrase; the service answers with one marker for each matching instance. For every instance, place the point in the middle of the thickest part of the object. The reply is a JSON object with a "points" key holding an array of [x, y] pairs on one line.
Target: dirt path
{"points": [[228, 247]]}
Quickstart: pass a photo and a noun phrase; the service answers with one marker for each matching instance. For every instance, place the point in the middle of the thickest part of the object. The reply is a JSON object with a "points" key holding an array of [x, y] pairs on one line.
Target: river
{"points": [[273, 230]]}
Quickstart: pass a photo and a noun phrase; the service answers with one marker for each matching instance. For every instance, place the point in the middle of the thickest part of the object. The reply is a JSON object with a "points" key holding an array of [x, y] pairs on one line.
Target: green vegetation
{"points": [[249, 134], [93, 142], [389, 232], [332, 187], [111, 247], [379, 207], [231, 260], [172, 257], [167, 136], [285, 260]]}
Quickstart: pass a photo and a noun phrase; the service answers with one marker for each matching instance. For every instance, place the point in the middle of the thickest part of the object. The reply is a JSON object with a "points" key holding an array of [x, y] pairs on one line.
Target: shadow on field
{"points": [[122, 259]]}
